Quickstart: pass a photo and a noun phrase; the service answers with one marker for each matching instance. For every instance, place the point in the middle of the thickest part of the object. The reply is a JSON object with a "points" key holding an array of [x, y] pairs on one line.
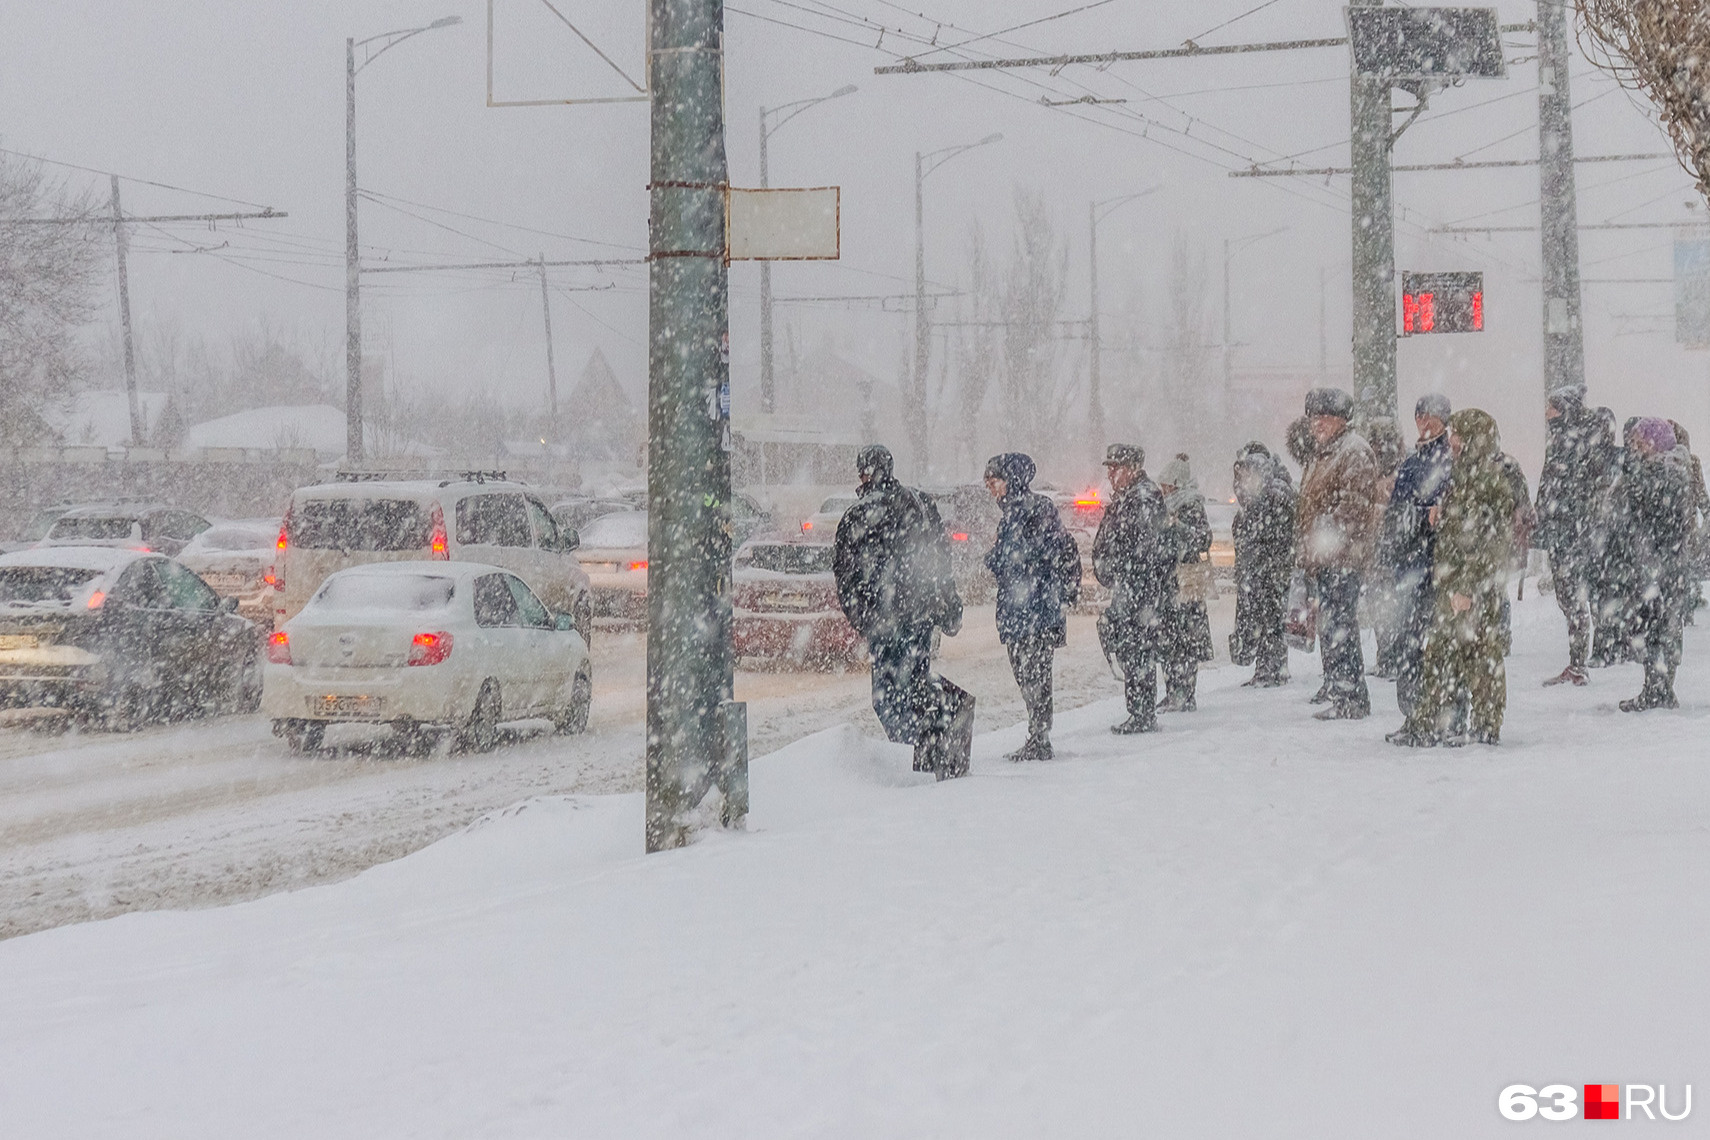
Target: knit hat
{"points": [[1329, 402], [1125, 455], [1568, 396], [875, 460], [1434, 405], [1176, 473], [1656, 435], [1014, 468]]}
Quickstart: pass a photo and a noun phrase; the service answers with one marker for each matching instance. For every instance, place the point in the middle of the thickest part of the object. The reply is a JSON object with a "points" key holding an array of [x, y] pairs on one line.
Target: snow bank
{"points": [[1250, 924]]}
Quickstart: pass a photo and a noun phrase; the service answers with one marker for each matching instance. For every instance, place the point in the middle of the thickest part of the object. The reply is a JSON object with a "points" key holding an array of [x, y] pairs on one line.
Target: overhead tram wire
{"points": [[506, 225], [134, 181]]}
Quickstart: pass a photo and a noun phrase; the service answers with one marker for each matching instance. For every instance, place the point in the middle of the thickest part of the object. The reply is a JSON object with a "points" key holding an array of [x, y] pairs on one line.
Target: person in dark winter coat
{"points": [[1380, 594], [1662, 500], [1035, 563], [1134, 555], [1336, 525], [1408, 542], [894, 582], [1473, 549], [1264, 564], [1188, 638], [1576, 475], [1615, 574], [1700, 522]]}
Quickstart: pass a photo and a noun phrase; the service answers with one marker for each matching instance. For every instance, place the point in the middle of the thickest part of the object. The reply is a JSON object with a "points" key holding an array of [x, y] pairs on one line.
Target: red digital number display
{"points": [[1442, 303]]}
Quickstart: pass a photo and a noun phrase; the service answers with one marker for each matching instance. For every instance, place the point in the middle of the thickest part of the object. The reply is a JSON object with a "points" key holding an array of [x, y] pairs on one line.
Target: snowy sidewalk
{"points": [[1250, 924]]}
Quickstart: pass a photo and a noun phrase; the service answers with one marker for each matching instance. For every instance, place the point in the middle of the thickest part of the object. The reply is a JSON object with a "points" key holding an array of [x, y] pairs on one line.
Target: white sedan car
{"points": [[428, 648]]}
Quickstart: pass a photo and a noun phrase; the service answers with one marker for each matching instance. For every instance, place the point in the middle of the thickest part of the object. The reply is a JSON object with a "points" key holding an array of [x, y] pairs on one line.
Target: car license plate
{"points": [[784, 600], [19, 641], [226, 581], [360, 708]]}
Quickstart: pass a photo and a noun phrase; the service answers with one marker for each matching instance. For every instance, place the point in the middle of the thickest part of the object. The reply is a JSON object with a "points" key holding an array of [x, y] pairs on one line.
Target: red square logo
{"points": [[1603, 1102]]}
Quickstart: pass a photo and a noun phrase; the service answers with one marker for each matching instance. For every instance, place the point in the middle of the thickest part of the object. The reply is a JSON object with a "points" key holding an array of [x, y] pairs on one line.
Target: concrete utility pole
{"points": [[768, 386], [121, 240], [551, 370], [1564, 345], [1369, 114], [697, 762]]}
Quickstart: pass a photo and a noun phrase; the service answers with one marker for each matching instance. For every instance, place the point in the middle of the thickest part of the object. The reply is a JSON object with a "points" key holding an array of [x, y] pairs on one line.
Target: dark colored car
{"points": [[144, 526], [124, 636], [785, 599]]}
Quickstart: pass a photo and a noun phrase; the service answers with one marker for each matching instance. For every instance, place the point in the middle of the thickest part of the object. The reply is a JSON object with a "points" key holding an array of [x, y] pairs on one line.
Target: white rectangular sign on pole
{"points": [[784, 225]]}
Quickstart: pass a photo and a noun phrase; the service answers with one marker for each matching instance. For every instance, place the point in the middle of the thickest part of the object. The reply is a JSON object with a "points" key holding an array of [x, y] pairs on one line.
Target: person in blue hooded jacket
{"points": [[1036, 565]]}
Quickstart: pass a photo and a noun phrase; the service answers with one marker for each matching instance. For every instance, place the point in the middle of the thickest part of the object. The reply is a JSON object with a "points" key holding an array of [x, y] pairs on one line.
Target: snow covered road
{"points": [[200, 814], [1250, 924]]}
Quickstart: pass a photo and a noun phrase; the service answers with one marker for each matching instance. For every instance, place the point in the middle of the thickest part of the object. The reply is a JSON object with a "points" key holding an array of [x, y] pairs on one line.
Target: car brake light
{"points": [[284, 530], [97, 600], [430, 648], [641, 565], [274, 578], [959, 536], [279, 648], [807, 524], [439, 542]]}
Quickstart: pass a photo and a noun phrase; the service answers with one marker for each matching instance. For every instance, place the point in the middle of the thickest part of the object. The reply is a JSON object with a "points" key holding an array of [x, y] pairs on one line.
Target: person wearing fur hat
{"points": [[1038, 570], [1661, 502], [1135, 557], [1188, 639], [1473, 550], [1335, 527], [1578, 459]]}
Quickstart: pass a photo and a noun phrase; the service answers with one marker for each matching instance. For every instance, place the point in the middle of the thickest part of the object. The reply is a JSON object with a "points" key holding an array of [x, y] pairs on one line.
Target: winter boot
{"points": [[1342, 712], [1034, 749], [1322, 696], [1134, 725], [1572, 675], [1178, 702], [1406, 738]]}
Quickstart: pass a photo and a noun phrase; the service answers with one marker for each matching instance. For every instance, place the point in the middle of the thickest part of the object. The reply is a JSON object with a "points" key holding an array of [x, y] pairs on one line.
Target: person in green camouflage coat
{"points": [[1475, 545]]}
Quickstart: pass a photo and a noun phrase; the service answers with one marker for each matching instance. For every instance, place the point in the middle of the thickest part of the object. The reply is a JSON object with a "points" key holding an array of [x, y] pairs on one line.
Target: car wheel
{"points": [[584, 620], [481, 733], [125, 709], [301, 736], [414, 740], [573, 718]]}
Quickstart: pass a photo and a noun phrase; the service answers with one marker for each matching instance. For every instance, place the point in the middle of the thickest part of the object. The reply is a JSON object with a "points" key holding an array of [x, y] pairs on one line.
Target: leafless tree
{"points": [[1660, 47], [48, 280], [1034, 404]]}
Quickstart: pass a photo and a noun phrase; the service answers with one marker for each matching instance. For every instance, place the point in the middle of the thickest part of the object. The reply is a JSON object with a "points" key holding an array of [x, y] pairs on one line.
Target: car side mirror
{"points": [[229, 605], [565, 623], [568, 539]]}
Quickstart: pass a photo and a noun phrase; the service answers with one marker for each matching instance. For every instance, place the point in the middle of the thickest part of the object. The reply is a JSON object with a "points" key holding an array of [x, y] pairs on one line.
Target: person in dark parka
{"points": [[894, 582], [1577, 456], [1035, 563], [1408, 541], [1188, 639], [1615, 573], [1661, 500], [1264, 564], [1134, 556]]}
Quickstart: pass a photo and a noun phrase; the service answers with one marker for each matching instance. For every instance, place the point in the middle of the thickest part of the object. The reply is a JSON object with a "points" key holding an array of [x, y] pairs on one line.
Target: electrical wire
{"points": [[137, 181]]}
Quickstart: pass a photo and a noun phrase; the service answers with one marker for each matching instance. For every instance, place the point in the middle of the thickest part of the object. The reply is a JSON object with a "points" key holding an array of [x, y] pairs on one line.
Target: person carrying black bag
{"points": [[1134, 556], [1038, 571], [894, 582]]}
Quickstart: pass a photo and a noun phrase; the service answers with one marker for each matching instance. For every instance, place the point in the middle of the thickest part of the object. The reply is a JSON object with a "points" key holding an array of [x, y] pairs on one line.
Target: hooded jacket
{"points": [[892, 557], [1420, 484], [1030, 558], [1475, 534], [1579, 454], [1264, 521]]}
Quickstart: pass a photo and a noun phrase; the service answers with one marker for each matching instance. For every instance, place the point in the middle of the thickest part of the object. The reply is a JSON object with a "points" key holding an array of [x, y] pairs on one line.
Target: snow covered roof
{"points": [[317, 426]]}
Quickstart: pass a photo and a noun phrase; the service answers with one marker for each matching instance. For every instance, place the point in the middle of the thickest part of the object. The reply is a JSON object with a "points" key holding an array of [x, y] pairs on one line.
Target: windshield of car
{"points": [[226, 538], [390, 593], [360, 524], [96, 528], [37, 528], [38, 585], [791, 558], [626, 530]]}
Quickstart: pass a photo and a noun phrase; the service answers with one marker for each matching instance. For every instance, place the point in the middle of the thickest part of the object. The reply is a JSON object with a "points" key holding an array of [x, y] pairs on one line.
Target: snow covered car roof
{"points": [[423, 489], [100, 558]]}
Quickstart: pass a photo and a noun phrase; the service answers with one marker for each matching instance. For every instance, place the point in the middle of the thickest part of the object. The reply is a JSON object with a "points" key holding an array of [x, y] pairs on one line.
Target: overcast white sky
{"points": [[245, 99]]}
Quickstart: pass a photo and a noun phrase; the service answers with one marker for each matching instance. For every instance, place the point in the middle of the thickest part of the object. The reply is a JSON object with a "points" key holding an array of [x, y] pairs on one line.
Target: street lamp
{"points": [[1229, 248], [1096, 213], [768, 390], [352, 263], [916, 411]]}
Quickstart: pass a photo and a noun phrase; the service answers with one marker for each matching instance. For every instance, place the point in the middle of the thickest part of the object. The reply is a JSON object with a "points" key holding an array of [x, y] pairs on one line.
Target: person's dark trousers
{"points": [[1418, 602], [902, 680], [1270, 651], [1572, 582], [1181, 678], [1339, 639], [1663, 622], [1030, 661], [1140, 685]]}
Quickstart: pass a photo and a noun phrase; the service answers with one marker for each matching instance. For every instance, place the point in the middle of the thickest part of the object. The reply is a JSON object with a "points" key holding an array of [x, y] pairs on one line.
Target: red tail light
{"points": [[642, 565], [430, 648], [274, 578], [959, 536], [284, 530], [440, 542], [807, 524], [279, 648], [97, 600]]}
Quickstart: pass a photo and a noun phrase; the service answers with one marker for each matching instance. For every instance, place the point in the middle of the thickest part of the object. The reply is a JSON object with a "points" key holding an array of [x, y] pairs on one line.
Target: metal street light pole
{"points": [[1095, 404], [352, 258], [768, 386], [918, 427]]}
